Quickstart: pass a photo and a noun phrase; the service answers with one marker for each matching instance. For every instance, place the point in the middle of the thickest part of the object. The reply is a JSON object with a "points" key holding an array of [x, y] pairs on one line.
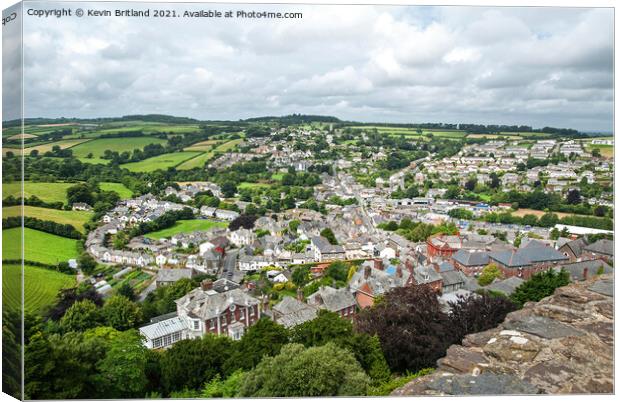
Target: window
{"points": [[156, 343], [167, 340], [176, 337], [241, 314], [196, 324], [251, 311], [212, 325]]}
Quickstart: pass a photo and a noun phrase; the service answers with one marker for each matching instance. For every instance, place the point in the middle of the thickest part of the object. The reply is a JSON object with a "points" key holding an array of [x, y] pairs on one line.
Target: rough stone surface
{"points": [[562, 344]]}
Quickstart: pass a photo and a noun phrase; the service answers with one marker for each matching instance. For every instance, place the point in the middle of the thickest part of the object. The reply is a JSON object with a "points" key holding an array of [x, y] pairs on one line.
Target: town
{"points": [[306, 223]]}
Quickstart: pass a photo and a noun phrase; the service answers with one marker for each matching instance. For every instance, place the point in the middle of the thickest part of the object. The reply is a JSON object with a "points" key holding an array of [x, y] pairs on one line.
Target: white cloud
{"points": [[536, 66]]}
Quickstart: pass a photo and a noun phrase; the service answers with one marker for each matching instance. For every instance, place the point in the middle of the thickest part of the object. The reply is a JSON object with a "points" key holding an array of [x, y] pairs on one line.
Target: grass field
{"points": [[186, 226], [63, 144], [118, 188], [253, 185], [75, 218], [203, 146], [49, 192], [152, 128], [98, 146], [527, 211], [39, 246], [199, 161], [160, 162], [41, 286], [607, 151]]}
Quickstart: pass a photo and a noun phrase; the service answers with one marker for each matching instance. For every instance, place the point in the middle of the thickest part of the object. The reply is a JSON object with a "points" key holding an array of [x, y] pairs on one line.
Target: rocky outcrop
{"points": [[560, 345]]}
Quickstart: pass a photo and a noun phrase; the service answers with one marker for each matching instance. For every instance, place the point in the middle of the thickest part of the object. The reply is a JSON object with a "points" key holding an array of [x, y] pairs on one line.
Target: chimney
{"points": [[367, 271], [399, 271], [207, 284], [300, 294], [585, 273], [378, 264]]}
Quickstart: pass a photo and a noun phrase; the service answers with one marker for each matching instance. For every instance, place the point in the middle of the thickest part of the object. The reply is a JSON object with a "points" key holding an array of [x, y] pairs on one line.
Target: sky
{"points": [[532, 66]]}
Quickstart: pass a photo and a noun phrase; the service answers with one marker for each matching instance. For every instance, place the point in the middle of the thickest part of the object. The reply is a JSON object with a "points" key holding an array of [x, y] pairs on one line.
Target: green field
{"points": [[185, 227], [98, 146], [203, 146], [75, 218], [160, 162], [39, 246], [607, 151], [118, 188], [41, 286], [48, 192], [253, 185], [199, 161]]}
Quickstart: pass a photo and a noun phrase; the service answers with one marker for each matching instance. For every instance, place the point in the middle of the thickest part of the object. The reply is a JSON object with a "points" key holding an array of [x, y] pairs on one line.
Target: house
{"points": [[573, 249], [81, 206], [452, 281], [370, 281], [443, 245], [324, 251], [291, 312], [524, 262], [227, 313], [506, 286], [242, 237], [602, 248], [426, 275], [167, 276], [224, 285], [582, 270], [470, 263], [339, 301]]}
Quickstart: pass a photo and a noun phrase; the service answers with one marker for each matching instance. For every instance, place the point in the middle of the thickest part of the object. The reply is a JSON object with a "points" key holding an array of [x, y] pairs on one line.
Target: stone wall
{"points": [[560, 345]]}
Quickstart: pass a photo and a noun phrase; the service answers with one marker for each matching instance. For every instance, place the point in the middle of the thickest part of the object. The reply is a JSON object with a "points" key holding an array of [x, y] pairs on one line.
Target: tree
{"points": [[301, 276], [229, 189], [80, 193], [127, 291], [121, 313], [81, 316], [298, 371], [67, 297], [242, 221], [265, 338], [228, 388], [87, 263], [122, 373], [477, 313], [596, 152], [471, 184], [539, 286], [489, 274], [34, 153], [191, 362], [338, 271], [495, 181], [329, 235], [413, 330], [573, 197]]}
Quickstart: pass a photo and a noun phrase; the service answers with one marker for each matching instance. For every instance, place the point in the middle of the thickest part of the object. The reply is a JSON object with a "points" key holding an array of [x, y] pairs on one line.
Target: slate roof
{"points": [[425, 274], [575, 269], [325, 246], [223, 285], [527, 256], [506, 286], [332, 299], [445, 266], [602, 246], [452, 278], [162, 328], [378, 281], [468, 259], [576, 246], [210, 304], [294, 312]]}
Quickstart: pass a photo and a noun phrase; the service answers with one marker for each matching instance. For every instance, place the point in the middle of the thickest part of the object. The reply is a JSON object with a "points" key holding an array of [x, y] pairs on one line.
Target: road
{"points": [[230, 270]]}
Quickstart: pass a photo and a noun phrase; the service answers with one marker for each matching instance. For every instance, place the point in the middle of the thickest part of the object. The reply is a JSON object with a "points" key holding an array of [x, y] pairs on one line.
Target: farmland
{"points": [[203, 145], [118, 188], [48, 147], [41, 286], [98, 146], [48, 192], [38, 246], [75, 218], [199, 161], [160, 162], [186, 226]]}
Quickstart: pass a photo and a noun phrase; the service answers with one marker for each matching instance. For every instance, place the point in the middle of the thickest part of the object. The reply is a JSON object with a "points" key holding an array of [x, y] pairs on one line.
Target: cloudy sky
{"points": [[535, 66]]}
